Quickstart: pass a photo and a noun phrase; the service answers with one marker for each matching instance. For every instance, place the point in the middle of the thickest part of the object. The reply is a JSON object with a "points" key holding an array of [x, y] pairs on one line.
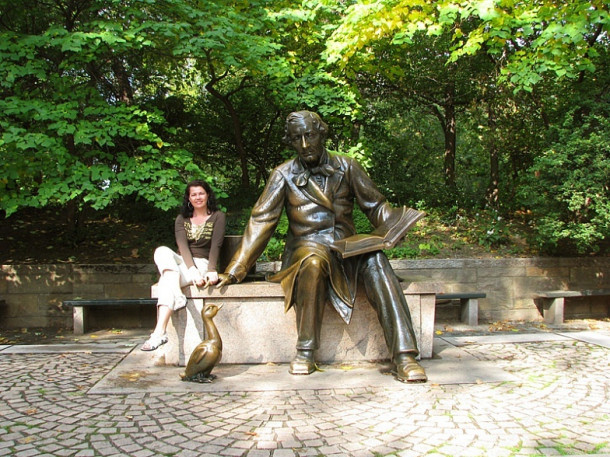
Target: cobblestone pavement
{"points": [[560, 405]]}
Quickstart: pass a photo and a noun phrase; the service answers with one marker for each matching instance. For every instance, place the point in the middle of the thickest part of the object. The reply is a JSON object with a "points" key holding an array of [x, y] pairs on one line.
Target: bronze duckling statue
{"points": [[208, 353]]}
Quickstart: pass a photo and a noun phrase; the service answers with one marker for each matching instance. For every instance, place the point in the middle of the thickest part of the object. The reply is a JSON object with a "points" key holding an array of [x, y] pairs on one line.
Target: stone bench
{"points": [[80, 307], [255, 329], [551, 303], [469, 304]]}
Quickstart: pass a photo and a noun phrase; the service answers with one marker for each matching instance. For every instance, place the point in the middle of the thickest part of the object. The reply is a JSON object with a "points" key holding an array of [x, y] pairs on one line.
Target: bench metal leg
{"points": [[78, 315], [469, 311], [552, 310]]}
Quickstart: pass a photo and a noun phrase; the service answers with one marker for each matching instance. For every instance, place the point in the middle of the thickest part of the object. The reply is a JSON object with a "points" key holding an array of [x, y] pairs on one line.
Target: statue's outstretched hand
{"points": [[226, 279]]}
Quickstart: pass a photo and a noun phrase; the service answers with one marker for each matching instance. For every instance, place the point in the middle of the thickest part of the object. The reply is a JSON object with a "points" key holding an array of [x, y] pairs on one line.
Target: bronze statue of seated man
{"points": [[317, 189]]}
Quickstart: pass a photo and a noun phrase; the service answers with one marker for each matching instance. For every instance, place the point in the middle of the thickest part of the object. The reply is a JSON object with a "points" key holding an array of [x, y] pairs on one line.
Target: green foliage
{"points": [[403, 147], [274, 250], [494, 231], [567, 187], [276, 244], [71, 128], [361, 223], [408, 251], [104, 102], [531, 39]]}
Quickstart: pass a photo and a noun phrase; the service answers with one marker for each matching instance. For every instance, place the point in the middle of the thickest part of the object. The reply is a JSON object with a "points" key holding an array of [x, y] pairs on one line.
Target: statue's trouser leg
{"points": [[387, 298], [309, 301]]}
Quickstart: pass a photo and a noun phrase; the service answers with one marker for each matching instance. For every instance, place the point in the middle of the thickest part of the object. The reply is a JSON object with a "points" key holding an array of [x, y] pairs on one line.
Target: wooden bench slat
{"points": [[571, 293], [109, 302], [460, 295]]}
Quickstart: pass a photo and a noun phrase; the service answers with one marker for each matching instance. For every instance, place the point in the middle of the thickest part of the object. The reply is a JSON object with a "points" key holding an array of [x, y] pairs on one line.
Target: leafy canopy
{"points": [[529, 38]]}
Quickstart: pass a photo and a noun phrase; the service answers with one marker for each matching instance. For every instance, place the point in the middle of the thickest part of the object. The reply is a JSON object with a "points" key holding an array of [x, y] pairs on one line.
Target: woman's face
{"points": [[198, 197]]}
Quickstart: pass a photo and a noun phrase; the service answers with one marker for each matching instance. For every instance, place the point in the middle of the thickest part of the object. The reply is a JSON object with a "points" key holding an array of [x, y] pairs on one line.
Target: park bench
{"points": [[80, 307], [469, 304], [551, 303]]}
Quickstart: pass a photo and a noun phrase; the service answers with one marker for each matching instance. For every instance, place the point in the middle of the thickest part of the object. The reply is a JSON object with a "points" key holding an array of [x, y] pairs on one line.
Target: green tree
{"points": [[74, 129], [501, 45], [531, 39], [567, 188]]}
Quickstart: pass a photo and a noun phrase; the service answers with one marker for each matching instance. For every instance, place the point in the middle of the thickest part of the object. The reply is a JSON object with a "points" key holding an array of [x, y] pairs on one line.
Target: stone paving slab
{"points": [[559, 405], [504, 338], [600, 338], [3, 347], [137, 373], [593, 337], [67, 348]]}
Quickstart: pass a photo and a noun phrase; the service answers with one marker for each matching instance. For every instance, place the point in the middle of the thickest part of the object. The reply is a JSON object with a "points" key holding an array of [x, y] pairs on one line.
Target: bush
{"points": [[567, 189]]}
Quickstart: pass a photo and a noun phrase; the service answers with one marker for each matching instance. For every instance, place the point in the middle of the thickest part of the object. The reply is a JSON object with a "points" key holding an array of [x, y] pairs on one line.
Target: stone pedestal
{"points": [[255, 329]]}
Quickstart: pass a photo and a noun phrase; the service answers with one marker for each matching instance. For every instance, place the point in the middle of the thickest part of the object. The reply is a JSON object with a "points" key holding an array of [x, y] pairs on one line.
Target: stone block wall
{"points": [[33, 294], [509, 283]]}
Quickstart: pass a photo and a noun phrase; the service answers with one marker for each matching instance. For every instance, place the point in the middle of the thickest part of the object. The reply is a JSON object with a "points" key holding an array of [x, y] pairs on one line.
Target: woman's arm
{"points": [[218, 236], [182, 242]]}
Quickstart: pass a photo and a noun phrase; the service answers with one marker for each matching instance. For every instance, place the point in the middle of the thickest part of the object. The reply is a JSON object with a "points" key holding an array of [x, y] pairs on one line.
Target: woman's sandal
{"points": [[154, 342]]}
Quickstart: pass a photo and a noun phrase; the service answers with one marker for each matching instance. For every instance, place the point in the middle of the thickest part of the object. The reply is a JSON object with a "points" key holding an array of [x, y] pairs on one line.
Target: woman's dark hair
{"points": [[187, 209]]}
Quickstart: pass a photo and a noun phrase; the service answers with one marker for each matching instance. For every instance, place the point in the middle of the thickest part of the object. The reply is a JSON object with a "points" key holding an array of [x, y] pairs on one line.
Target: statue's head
{"points": [[300, 117], [306, 132]]}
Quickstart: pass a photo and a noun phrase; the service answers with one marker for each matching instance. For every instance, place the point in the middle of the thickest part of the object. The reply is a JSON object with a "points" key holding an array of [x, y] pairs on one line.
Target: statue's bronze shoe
{"points": [[408, 370], [303, 363]]}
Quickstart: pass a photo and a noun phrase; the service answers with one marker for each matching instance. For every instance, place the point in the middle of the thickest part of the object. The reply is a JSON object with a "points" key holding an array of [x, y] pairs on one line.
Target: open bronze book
{"points": [[383, 237]]}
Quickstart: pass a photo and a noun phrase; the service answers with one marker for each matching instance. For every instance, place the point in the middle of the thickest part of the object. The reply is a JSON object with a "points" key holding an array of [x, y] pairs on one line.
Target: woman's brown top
{"points": [[202, 241]]}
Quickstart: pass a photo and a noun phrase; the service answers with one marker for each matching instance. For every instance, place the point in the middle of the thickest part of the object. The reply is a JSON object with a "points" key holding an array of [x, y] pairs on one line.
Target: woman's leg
{"points": [[174, 276], [171, 268], [169, 291], [163, 315]]}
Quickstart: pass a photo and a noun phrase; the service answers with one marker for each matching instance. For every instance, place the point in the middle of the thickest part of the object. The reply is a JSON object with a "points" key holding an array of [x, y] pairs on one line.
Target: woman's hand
{"points": [[196, 277], [211, 278]]}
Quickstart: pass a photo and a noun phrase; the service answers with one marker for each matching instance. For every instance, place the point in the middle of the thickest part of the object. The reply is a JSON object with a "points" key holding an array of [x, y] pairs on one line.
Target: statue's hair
{"points": [[300, 117]]}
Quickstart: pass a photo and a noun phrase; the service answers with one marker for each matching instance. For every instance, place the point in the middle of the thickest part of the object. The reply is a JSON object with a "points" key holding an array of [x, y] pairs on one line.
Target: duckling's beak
{"points": [[220, 306]]}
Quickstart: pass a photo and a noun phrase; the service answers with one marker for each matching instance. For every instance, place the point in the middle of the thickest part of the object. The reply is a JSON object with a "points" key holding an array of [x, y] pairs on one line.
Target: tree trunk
{"points": [[492, 193], [448, 123], [450, 144], [237, 132], [124, 91]]}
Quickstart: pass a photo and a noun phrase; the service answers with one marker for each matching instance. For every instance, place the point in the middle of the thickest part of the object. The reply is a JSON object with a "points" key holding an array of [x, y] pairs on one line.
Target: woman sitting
{"points": [[200, 230]]}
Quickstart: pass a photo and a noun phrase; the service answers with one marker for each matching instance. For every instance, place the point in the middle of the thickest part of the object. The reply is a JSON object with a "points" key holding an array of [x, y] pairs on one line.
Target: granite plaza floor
{"points": [[511, 394]]}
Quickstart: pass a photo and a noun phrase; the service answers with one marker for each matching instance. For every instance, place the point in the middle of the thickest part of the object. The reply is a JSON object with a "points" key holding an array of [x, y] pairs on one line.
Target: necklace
{"points": [[196, 232]]}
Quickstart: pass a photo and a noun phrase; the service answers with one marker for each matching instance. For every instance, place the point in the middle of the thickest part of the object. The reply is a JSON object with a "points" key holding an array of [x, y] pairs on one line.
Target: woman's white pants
{"points": [[170, 285]]}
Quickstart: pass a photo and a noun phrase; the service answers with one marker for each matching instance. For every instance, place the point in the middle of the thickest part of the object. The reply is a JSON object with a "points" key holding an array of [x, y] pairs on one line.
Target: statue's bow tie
{"points": [[325, 170]]}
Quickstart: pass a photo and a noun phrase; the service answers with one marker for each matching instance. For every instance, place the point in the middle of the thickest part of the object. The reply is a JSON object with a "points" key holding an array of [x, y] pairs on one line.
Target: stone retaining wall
{"points": [[33, 293]]}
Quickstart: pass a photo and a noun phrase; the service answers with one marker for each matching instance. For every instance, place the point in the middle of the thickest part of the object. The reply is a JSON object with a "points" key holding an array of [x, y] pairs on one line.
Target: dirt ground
{"points": [[43, 237]]}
